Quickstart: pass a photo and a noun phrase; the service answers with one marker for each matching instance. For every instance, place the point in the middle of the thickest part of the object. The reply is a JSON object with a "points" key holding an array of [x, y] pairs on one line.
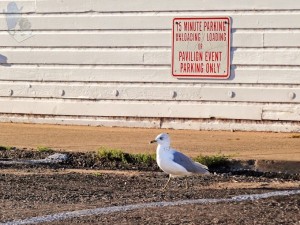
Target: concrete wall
{"points": [[107, 62]]}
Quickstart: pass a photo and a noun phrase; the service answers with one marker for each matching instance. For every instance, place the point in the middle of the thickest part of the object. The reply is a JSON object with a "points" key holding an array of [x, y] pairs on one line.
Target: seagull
{"points": [[173, 162]]}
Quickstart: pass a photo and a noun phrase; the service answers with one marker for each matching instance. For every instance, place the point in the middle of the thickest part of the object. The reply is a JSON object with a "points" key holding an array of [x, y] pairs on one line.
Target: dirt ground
{"points": [[26, 192], [242, 145], [38, 192]]}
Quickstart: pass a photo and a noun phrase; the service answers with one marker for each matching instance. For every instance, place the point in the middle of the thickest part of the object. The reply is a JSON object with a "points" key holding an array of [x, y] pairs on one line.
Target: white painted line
{"points": [[114, 209]]}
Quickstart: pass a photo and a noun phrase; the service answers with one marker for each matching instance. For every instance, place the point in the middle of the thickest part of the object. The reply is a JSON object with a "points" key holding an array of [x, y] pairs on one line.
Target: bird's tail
{"points": [[203, 167]]}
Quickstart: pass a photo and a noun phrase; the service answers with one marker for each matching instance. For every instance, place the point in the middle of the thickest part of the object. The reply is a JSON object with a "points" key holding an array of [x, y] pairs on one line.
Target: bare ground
{"points": [[28, 192], [242, 145], [37, 192]]}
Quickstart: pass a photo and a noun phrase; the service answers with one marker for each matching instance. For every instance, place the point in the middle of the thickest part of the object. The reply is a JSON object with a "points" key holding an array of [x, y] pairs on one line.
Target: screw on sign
{"points": [[201, 47]]}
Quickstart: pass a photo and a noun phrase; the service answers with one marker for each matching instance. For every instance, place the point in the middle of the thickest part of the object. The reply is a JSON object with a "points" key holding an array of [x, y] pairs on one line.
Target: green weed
{"points": [[213, 160], [119, 155], [44, 149], [112, 154], [144, 158], [97, 174], [5, 148]]}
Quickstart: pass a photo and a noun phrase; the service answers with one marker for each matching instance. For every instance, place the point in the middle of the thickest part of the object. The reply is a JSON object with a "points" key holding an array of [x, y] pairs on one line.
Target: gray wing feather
{"points": [[189, 164]]}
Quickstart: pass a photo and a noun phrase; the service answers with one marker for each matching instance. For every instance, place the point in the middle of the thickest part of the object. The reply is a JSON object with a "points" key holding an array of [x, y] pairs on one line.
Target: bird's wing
{"points": [[188, 164]]}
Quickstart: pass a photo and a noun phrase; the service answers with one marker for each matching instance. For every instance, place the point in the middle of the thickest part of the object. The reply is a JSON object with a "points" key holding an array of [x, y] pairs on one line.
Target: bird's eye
{"points": [[161, 138]]}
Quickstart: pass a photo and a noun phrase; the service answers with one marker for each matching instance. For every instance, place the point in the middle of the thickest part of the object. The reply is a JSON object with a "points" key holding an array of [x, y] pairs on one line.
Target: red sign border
{"points": [[225, 76]]}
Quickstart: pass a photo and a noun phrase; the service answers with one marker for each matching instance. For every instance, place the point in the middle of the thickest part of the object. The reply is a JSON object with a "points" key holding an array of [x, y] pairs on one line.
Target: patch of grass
{"points": [[213, 160], [97, 174], [119, 155], [112, 154], [5, 148], [44, 149], [144, 158]]}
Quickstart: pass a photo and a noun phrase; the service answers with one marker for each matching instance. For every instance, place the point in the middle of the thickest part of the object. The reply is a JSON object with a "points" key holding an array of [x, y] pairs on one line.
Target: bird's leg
{"points": [[186, 183], [167, 182]]}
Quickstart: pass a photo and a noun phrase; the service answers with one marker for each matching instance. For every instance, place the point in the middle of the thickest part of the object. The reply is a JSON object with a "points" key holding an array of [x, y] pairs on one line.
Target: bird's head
{"points": [[162, 139]]}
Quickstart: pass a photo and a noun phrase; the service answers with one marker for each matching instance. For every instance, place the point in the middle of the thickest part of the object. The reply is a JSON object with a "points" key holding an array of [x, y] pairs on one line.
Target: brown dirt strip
{"points": [[242, 145]]}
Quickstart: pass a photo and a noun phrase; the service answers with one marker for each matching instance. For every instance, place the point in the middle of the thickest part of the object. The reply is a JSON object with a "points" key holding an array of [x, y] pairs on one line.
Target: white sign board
{"points": [[201, 47]]}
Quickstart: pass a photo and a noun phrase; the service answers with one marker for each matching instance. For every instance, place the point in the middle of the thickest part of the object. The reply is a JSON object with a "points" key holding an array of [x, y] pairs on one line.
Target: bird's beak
{"points": [[153, 141]]}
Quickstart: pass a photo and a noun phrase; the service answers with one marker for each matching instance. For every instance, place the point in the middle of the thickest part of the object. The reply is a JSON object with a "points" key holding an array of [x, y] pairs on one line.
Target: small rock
{"points": [[57, 157]]}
